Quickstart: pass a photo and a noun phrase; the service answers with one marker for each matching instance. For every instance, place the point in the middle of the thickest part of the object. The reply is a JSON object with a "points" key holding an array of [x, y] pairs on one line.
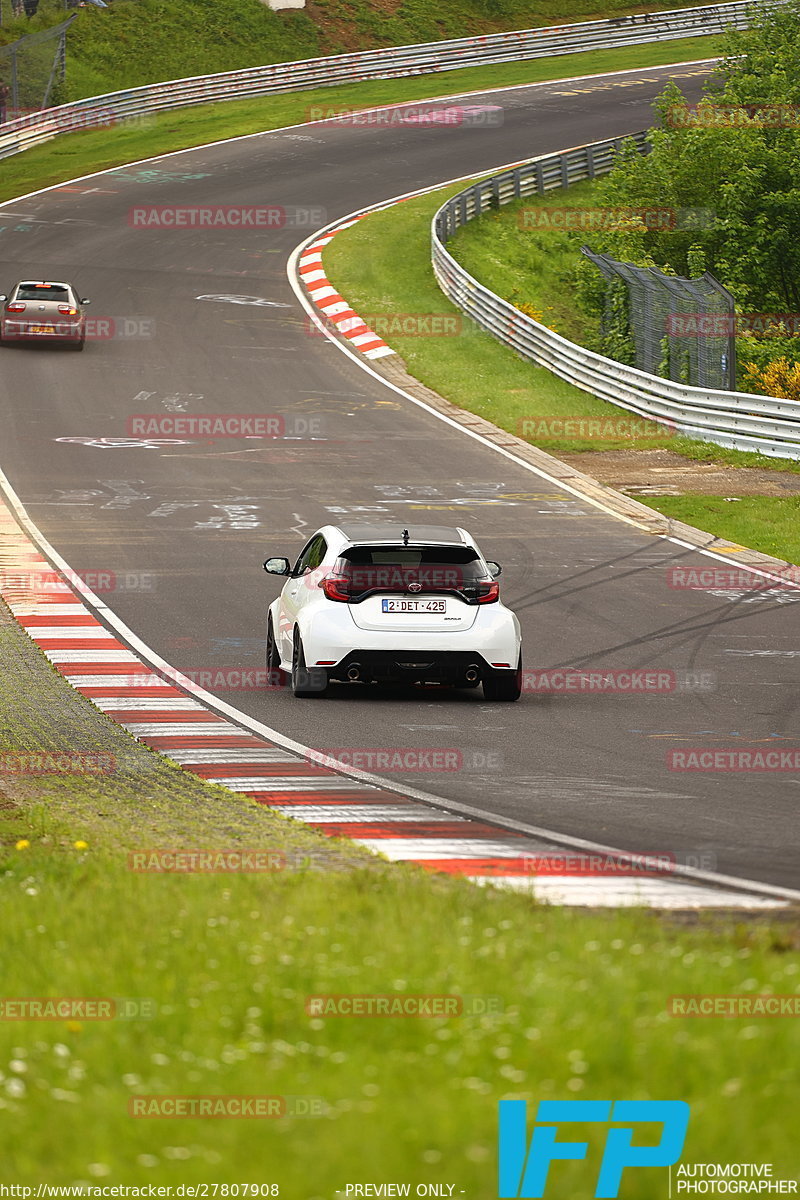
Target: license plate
{"points": [[413, 606], [41, 328]]}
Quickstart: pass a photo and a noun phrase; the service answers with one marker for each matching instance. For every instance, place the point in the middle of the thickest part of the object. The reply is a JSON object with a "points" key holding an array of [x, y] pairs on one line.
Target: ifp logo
{"points": [[523, 1171]]}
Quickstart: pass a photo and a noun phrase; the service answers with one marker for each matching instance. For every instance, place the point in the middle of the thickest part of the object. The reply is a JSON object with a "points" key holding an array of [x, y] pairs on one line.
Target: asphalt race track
{"points": [[185, 527]]}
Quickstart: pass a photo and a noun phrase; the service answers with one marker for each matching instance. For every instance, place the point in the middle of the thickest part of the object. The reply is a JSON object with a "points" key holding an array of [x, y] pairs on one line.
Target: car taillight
{"points": [[68, 310], [15, 308], [487, 593], [336, 587]]}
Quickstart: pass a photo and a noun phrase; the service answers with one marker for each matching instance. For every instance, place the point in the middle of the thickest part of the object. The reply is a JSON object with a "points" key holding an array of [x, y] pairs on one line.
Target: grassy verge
{"points": [[79, 153], [534, 267], [130, 44], [226, 964], [767, 523], [382, 266]]}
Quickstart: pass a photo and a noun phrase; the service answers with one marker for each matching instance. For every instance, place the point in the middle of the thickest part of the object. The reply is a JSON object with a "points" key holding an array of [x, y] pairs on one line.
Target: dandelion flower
{"points": [[81, 845], [22, 844]]}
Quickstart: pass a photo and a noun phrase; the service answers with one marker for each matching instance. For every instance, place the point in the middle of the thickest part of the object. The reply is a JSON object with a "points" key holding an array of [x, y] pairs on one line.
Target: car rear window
{"points": [[42, 291], [393, 568]]}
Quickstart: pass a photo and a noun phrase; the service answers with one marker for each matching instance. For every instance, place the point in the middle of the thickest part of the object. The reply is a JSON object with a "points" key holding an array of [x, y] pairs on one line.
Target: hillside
{"points": [[134, 42]]}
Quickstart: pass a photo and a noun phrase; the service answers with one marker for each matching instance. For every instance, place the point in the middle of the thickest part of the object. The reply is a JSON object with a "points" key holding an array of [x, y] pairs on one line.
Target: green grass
{"points": [[227, 961], [382, 265], [130, 44], [535, 267], [767, 523], [79, 153]]}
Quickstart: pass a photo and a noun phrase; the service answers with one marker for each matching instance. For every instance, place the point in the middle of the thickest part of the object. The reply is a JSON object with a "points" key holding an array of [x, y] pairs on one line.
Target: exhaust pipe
{"points": [[354, 672], [472, 674]]}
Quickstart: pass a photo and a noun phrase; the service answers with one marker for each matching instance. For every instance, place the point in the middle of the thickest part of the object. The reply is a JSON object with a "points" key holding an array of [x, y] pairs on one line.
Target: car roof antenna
{"points": [[405, 537]]}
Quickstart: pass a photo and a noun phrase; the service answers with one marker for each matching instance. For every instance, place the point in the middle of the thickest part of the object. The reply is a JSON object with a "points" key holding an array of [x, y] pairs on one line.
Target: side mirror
{"points": [[495, 570], [278, 566], [85, 300]]}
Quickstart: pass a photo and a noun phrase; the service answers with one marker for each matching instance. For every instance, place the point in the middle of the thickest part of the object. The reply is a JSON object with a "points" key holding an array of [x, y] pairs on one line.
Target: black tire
{"points": [[305, 682], [504, 685], [276, 676], [78, 345]]}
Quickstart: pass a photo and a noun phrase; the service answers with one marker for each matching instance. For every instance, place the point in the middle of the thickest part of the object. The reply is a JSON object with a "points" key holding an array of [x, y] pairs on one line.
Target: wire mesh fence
{"points": [[30, 69], [681, 329]]}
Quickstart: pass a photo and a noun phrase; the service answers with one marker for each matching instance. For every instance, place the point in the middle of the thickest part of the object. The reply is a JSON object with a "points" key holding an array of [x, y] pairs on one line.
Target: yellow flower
{"points": [[22, 844], [81, 845], [74, 1026]]}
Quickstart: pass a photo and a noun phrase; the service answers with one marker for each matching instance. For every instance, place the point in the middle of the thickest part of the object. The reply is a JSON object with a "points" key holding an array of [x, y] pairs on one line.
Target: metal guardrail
{"points": [[738, 420], [426, 58]]}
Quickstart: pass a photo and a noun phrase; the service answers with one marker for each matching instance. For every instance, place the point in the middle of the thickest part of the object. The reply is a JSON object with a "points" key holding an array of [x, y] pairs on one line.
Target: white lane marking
{"points": [[610, 893], [421, 849], [256, 301], [183, 728], [283, 783], [227, 755], [142, 682], [146, 703], [90, 656], [367, 814], [764, 653], [45, 609], [88, 633]]}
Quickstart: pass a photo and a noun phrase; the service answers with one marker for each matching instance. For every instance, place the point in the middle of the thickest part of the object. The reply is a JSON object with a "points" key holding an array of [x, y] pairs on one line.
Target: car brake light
{"points": [[68, 310], [488, 593], [336, 587], [15, 308]]}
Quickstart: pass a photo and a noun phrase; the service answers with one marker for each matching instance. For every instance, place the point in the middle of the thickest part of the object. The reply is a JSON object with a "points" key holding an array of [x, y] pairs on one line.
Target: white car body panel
{"points": [[331, 630]]}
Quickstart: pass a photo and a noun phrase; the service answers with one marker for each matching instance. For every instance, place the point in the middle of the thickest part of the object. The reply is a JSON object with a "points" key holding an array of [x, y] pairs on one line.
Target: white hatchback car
{"points": [[384, 604]]}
